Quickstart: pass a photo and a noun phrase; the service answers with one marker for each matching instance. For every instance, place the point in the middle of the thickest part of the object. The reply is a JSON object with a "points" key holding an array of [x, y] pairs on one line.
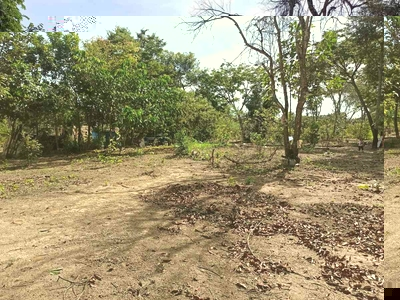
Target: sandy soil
{"points": [[157, 227], [392, 220]]}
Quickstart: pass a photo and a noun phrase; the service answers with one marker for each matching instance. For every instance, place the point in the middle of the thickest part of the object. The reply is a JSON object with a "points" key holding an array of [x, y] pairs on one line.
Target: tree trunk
{"points": [[56, 135], [302, 39], [379, 99], [373, 126], [79, 131], [396, 111], [284, 109], [89, 135]]}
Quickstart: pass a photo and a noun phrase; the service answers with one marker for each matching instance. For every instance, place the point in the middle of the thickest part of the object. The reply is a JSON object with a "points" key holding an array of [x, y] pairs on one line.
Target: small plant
{"points": [[258, 140], [109, 159], [249, 180], [15, 187], [30, 182], [2, 190], [231, 181], [31, 149], [54, 179], [395, 171]]}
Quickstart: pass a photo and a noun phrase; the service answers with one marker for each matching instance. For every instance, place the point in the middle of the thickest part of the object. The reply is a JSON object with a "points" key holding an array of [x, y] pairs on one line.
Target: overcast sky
{"points": [[211, 47]]}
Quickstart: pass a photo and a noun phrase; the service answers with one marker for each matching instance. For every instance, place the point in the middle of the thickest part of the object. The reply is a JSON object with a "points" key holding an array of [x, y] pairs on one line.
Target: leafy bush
{"points": [[258, 140], [311, 134], [31, 149], [183, 142], [71, 147]]}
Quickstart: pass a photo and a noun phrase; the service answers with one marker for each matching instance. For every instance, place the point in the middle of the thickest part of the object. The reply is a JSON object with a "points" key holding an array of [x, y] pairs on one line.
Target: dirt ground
{"points": [[392, 220], [154, 226]]}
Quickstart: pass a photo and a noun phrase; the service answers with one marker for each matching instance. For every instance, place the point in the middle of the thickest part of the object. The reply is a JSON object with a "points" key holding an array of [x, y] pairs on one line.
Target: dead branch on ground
{"points": [[90, 282]]}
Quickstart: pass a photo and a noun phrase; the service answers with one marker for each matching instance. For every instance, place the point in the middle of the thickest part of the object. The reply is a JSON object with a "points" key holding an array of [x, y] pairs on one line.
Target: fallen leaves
{"points": [[245, 211]]}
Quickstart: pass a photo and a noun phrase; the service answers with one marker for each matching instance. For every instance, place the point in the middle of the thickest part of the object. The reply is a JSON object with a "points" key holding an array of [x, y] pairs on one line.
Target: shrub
{"points": [[183, 142], [72, 147], [31, 149]]}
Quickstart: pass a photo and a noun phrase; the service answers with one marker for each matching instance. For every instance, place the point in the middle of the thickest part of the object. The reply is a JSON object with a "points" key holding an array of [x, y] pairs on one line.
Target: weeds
{"points": [[231, 181], [249, 180], [109, 159], [29, 182]]}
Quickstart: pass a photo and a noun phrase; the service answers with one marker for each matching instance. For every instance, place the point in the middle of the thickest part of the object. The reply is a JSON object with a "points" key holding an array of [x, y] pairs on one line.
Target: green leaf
{"points": [[56, 271]]}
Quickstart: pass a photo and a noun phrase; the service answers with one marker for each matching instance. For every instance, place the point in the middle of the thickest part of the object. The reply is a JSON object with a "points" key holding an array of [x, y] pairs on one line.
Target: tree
{"points": [[360, 60], [263, 31], [11, 16], [230, 87], [334, 7], [392, 72], [20, 101]]}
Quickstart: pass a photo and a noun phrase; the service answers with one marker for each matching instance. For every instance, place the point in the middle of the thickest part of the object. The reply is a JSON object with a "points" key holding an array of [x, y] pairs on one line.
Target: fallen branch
{"points": [[252, 162], [82, 284], [209, 270], [248, 241]]}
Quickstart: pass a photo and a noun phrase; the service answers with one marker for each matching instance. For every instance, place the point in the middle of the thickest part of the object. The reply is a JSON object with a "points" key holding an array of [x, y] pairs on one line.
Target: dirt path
{"points": [[392, 220], [87, 222]]}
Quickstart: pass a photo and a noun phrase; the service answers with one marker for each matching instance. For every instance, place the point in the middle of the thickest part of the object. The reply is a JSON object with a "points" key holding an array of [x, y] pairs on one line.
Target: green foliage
{"points": [[72, 147], [359, 130], [4, 131], [311, 133], [249, 180], [108, 159], [183, 143], [31, 149], [259, 140], [11, 16]]}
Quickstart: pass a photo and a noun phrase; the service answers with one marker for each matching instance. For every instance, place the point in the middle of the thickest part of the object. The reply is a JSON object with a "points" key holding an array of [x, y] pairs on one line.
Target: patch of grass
{"points": [[323, 166], [249, 180], [2, 190], [137, 152], [78, 161], [231, 181], [106, 159], [395, 171], [30, 182], [54, 179]]}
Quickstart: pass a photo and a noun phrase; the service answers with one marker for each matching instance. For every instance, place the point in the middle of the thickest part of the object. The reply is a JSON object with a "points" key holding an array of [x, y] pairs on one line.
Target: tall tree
{"points": [[268, 35], [360, 59], [334, 7], [11, 16], [392, 72]]}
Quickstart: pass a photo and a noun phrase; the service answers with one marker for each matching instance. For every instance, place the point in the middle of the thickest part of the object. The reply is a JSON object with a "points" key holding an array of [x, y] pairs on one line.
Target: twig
{"points": [[83, 284], [212, 157], [248, 241], [209, 270]]}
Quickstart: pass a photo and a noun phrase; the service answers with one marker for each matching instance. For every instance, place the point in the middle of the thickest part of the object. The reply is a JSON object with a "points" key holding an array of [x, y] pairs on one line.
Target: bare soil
{"points": [[392, 218], [155, 226]]}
